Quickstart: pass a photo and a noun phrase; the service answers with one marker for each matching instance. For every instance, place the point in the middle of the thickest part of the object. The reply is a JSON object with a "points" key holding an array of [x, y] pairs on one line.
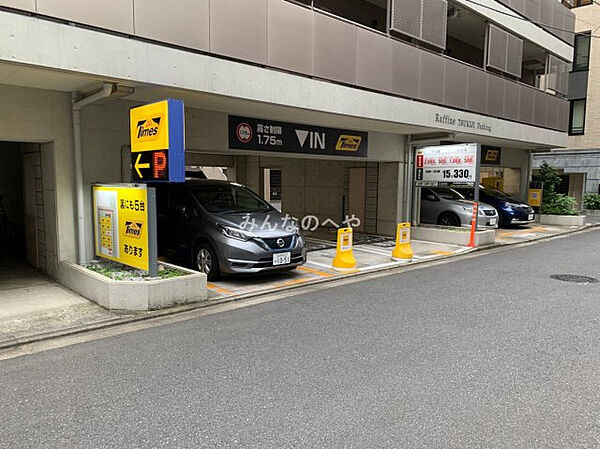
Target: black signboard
{"points": [[268, 135], [491, 155], [150, 166]]}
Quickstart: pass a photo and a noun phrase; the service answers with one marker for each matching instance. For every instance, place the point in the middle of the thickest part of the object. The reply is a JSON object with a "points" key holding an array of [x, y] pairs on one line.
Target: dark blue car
{"points": [[511, 211]]}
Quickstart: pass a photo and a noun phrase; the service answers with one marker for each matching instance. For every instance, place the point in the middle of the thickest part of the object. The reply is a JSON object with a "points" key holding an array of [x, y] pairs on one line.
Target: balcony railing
{"points": [[283, 35]]}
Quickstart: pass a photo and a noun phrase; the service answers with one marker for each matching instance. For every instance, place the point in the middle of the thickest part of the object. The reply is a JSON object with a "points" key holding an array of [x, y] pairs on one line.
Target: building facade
{"points": [[579, 163], [401, 73]]}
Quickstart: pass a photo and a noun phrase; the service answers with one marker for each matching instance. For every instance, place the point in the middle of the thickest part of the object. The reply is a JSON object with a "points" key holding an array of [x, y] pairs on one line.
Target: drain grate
{"points": [[574, 278]]}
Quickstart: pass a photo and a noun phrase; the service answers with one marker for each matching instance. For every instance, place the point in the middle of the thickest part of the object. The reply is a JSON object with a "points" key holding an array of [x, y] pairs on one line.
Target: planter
{"points": [[591, 212], [563, 220], [134, 295], [456, 236]]}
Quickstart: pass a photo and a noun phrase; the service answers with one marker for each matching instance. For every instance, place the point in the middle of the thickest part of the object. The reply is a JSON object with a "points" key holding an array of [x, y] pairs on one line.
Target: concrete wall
{"points": [[193, 74], [514, 158], [587, 162], [389, 197], [34, 115]]}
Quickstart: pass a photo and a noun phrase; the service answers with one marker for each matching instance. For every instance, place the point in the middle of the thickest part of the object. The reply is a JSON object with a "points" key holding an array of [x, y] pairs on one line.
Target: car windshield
{"points": [[229, 199], [494, 192], [448, 194]]}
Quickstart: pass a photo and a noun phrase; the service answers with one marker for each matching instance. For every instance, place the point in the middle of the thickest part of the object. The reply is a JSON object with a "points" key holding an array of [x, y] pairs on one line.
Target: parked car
{"points": [[224, 228], [511, 211], [447, 207]]}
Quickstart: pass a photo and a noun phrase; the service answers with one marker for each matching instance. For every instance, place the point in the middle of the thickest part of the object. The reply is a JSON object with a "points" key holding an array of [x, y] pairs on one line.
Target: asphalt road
{"points": [[487, 352]]}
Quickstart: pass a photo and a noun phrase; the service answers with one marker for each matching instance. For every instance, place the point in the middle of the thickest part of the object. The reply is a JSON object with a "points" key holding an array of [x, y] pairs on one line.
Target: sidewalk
{"points": [[34, 308], [33, 305]]}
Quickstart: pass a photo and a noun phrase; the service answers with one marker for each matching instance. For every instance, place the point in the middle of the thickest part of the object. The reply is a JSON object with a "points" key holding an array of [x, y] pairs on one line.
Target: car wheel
{"points": [[205, 261], [449, 219]]}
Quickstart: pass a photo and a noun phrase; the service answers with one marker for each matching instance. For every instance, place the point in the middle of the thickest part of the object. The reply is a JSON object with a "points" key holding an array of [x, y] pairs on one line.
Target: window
{"points": [[228, 198], [581, 56], [577, 119], [576, 3], [370, 13]]}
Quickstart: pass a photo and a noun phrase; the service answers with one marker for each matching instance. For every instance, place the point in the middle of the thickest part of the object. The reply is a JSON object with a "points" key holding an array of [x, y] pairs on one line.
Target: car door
{"points": [[184, 220], [429, 206]]}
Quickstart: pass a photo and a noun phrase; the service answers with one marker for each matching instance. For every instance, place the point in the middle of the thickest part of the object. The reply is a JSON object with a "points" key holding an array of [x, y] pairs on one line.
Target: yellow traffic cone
{"points": [[344, 258]]}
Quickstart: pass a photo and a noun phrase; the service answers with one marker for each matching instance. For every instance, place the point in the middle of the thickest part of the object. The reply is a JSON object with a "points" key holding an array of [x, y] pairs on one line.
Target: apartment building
{"points": [[579, 162], [270, 88]]}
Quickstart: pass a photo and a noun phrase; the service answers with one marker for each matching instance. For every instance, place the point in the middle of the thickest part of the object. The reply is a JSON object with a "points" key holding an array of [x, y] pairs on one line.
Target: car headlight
{"points": [[235, 233]]}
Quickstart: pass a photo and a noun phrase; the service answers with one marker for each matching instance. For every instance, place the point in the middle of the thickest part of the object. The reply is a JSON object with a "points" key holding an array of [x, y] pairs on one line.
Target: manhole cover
{"points": [[574, 278]]}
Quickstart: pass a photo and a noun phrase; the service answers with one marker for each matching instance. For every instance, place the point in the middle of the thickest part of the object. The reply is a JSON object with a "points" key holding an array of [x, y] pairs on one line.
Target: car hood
{"points": [[263, 224]]}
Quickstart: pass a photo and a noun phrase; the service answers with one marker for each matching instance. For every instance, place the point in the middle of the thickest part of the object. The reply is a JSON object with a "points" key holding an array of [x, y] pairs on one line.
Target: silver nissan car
{"points": [[224, 228], [447, 207]]}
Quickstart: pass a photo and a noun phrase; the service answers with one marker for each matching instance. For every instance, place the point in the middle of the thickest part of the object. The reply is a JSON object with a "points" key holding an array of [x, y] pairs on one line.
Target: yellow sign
{"points": [[402, 250], [348, 143], [121, 224], [344, 258], [534, 198], [149, 127]]}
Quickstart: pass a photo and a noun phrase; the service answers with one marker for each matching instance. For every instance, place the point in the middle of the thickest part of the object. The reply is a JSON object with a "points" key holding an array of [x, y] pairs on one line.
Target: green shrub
{"points": [[560, 205], [591, 201]]}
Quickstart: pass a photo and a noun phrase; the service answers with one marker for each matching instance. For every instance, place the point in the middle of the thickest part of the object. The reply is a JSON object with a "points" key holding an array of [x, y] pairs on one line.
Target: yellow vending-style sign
{"points": [[121, 222], [344, 258], [534, 197]]}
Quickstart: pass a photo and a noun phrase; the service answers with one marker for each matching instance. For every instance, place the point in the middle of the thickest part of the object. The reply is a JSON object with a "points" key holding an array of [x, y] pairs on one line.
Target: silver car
{"points": [[447, 207], [224, 228]]}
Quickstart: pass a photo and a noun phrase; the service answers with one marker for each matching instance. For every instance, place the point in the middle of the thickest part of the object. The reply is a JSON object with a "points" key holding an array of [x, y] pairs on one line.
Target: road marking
{"points": [[320, 264], [380, 252], [442, 253], [219, 289], [313, 271]]}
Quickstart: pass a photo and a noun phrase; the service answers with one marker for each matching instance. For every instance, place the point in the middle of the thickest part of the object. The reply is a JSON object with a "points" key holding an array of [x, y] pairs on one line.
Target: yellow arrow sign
{"points": [[137, 165]]}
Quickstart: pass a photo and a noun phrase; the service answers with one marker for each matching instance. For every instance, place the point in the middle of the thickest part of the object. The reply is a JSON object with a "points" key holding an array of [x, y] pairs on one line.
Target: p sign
{"points": [[158, 141]]}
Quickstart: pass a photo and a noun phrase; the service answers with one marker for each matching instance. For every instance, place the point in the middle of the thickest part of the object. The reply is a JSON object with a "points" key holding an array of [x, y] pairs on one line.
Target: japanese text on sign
{"points": [[446, 163], [121, 224]]}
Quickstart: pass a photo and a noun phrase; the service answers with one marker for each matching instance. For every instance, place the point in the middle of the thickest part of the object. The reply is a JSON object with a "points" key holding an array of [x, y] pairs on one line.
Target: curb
{"points": [[354, 277]]}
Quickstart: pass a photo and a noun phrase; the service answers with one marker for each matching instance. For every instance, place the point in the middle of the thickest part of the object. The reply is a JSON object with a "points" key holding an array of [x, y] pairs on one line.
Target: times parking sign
{"points": [[456, 164]]}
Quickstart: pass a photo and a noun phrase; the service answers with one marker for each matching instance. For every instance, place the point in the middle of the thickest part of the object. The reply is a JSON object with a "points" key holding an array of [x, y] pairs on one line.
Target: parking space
{"points": [[371, 252]]}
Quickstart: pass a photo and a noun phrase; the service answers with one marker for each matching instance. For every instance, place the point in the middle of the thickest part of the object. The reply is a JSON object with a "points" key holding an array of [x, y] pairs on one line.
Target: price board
{"points": [[457, 164]]}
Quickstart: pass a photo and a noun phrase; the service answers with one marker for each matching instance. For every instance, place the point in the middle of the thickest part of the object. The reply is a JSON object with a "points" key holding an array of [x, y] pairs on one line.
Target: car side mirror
{"points": [[430, 197]]}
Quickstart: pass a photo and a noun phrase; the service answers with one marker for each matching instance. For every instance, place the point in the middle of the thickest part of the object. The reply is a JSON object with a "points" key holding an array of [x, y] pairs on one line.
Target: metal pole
{"points": [[477, 175], [152, 243]]}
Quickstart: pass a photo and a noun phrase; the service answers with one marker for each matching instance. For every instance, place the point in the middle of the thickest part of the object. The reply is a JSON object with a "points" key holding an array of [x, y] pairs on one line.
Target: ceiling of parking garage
{"points": [[25, 76]]}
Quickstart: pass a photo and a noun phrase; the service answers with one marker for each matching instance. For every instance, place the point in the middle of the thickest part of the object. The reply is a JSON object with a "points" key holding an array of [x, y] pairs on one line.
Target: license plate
{"points": [[282, 258], [492, 221], [530, 217]]}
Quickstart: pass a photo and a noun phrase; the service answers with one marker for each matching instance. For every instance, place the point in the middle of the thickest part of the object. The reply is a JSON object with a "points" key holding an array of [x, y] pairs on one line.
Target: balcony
{"points": [[283, 35]]}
